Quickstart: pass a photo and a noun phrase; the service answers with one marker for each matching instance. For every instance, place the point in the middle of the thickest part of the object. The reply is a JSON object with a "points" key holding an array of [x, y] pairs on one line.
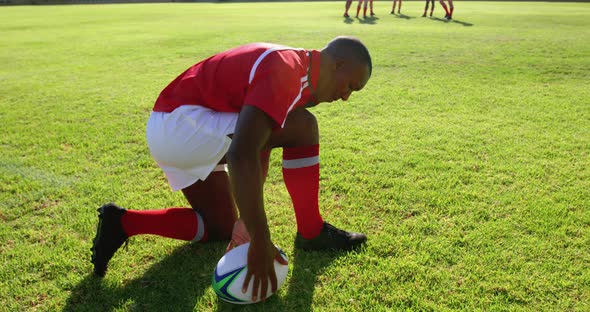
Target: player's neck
{"points": [[327, 66]]}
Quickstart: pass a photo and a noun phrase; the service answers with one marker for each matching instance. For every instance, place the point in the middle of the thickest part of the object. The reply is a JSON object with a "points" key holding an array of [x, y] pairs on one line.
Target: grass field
{"points": [[465, 159]]}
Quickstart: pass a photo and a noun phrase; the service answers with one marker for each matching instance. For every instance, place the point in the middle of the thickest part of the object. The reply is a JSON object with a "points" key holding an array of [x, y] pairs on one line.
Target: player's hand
{"points": [[239, 235], [261, 257]]}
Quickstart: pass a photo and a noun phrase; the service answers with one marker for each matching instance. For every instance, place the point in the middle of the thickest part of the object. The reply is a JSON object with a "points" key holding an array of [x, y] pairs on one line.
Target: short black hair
{"points": [[347, 46]]}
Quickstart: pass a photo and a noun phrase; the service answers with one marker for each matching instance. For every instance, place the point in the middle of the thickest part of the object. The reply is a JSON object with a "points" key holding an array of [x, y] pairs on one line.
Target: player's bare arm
{"points": [[252, 132]]}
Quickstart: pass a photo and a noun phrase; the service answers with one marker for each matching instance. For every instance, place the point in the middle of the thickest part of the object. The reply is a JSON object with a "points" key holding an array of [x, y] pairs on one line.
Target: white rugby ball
{"points": [[230, 273]]}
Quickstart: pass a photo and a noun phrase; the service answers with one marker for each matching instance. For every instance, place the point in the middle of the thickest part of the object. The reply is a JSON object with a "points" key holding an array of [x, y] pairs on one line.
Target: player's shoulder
{"points": [[275, 61], [260, 52], [281, 56], [257, 48]]}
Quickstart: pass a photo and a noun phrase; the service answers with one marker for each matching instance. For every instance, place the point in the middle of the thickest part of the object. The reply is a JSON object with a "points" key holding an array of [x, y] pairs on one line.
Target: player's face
{"points": [[345, 78]]}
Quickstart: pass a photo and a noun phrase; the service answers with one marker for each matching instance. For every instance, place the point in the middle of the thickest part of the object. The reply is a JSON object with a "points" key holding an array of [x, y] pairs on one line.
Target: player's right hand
{"points": [[261, 256]]}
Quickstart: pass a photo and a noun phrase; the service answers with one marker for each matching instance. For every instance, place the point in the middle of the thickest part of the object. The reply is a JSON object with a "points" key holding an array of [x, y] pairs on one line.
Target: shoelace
{"points": [[332, 230]]}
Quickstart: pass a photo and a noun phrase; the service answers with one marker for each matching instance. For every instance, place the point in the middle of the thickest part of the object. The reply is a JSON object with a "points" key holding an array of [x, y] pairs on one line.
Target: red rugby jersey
{"points": [[272, 78]]}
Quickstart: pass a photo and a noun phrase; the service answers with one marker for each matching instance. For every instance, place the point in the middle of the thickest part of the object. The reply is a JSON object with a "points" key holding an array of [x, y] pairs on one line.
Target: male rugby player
{"points": [[398, 8], [426, 8], [229, 111], [366, 2], [448, 10], [347, 7]]}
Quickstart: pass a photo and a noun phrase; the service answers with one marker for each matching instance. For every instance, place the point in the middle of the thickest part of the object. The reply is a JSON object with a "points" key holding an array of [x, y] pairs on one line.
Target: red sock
{"points": [[358, 9], [301, 173], [451, 10], [180, 223], [445, 7], [365, 11]]}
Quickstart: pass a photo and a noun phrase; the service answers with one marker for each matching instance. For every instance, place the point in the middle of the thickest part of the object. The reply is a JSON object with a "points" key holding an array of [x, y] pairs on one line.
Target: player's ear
{"points": [[340, 63]]}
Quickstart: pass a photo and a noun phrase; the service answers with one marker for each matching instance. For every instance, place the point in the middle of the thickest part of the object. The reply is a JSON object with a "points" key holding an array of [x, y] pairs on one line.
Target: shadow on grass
{"points": [[401, 15], [178, 281], [444, 20], [173, 284], [371, 20], [466, 24], [438, 19], [307, 267]]}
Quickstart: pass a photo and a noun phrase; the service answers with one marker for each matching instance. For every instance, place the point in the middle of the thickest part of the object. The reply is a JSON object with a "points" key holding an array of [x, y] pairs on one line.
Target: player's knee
{"points": [[305, 125], [309, 124], [309, 119], [220, 229], [301, 128]]}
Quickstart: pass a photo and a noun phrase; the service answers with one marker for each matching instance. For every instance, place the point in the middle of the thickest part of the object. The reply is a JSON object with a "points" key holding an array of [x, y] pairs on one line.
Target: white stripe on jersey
{"points": [[262, 56], [304, 84]]}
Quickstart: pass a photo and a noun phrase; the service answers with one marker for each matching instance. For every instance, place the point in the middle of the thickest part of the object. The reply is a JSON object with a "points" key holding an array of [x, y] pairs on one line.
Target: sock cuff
{"points": [[201, 231], [299, 152], [222, 167]]}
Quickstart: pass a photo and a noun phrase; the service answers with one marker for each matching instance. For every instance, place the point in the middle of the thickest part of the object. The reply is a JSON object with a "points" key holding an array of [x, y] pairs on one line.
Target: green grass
{"points": [[465, 159]]}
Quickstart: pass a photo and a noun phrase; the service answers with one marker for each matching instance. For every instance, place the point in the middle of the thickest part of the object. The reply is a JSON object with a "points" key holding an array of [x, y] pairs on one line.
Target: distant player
{"points": [[348, 4], [449, 9], [358, 8], [426, 8], [398, 8]]}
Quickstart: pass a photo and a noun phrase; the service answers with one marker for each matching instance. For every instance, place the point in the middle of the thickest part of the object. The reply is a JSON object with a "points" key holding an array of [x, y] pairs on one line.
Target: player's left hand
{"points": [[239, 235]]}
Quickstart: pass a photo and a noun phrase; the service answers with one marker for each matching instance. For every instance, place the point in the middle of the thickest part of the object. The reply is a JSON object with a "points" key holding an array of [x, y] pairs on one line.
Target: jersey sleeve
{"points": [[275, 87]]}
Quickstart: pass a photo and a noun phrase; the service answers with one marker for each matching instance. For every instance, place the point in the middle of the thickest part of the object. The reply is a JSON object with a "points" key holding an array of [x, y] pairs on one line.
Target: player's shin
{"points": [[179, 223], [301, 173]]}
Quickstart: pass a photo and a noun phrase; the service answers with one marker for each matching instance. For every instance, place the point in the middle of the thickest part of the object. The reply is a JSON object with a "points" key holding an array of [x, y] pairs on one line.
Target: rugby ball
{"points": [[230, 273]]}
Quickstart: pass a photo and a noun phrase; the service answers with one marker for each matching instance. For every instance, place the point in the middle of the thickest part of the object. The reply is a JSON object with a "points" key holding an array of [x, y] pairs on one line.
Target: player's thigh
{"points": [[212, 198], [188, 144]]}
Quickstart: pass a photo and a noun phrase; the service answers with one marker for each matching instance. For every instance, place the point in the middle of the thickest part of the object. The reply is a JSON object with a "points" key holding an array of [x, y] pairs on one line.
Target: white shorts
{"points": [[189, 142]]}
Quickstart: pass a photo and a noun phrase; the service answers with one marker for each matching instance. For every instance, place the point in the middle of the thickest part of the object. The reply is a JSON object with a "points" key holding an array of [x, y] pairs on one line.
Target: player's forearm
{"points": [[246, 182]]}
